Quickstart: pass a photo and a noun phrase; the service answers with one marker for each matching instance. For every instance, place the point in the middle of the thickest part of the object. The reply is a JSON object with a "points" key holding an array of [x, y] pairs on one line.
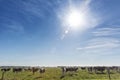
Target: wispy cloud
{"points": [[30, 9], [11, 26], [37, 8], [100, 46], [107, 31], [16, 27]]}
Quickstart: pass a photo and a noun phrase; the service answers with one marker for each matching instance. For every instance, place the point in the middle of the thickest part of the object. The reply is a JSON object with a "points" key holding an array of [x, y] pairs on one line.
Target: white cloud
{"points": [[100, 46], [107, 31]]}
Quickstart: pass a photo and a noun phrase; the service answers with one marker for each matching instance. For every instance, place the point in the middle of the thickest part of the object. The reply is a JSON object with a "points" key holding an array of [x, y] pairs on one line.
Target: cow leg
{"points": [[108, 71], [63, 75]]}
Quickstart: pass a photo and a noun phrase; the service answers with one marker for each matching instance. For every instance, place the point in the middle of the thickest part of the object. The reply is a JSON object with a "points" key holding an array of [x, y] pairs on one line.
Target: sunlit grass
{"points": [[55, 74]]}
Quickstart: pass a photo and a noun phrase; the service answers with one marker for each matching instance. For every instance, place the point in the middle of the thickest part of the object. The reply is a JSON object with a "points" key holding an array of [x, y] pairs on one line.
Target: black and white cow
{"points": [[5, 69], [42, 70], [34, 69], [100, 69], [17, 70], [69, 69], [90, 69]]}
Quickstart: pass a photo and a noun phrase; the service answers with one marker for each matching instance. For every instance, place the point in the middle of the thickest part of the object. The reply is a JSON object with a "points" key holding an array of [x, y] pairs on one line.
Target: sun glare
{"points": [[75, 19]]}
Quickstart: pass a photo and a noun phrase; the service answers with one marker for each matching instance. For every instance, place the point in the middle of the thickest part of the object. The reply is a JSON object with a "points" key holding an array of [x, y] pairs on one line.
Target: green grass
{"points": [[55, 74]]}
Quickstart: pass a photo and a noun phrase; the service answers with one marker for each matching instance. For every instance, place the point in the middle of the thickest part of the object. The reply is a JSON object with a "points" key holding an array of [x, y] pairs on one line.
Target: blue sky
{"points": [[41, 32]]}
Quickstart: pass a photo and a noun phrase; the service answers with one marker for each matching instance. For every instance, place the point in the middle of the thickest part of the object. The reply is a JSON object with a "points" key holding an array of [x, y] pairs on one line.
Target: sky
{"points": [[60, 32]]}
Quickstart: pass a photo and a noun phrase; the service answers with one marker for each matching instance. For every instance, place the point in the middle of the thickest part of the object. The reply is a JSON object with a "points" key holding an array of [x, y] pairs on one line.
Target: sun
{"points": [[75, 19]]}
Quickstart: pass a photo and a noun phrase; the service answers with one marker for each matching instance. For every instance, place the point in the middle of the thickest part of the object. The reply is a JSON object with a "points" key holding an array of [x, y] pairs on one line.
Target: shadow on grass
{"points": [[38, 77], [100, 73], [70, 75], [29, 75], [105, 73], [61, 77]]}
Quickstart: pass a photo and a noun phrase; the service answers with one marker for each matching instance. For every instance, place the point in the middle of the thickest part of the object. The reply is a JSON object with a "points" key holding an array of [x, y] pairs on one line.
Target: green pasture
{"points": [[56, 73]]}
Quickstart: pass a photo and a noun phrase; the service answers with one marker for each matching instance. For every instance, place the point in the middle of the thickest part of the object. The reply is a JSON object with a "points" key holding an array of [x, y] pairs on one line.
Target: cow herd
{"points": [[102, 69], [19, 69], [64, 69], [92, 69]]}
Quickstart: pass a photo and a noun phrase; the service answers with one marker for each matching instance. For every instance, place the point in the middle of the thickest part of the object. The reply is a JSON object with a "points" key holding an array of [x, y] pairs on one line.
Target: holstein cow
{"points": [[42, 70], [5, 69], [34, 69], [17, 69], [66, 69], [101, 69], [90, 69], [115, 68]]}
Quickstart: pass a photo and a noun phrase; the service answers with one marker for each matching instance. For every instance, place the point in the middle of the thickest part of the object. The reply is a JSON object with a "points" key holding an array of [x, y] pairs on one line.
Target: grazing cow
{"points": [[66, 69], [5, 69], [90, 69], [17, 69], [115, 68], [34, 69], [101, 69], [42, 70], [71, 69]]}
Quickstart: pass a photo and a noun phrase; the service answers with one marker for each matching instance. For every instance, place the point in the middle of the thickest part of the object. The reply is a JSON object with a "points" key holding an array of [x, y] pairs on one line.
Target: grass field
{"points": [[55, 74]]}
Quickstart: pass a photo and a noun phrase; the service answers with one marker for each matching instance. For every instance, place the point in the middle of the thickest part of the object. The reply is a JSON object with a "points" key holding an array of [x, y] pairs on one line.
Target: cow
{"points": [[115, 68], [66, 69], [90, 69], [34, 69], [101, 69], [17, 70], [42, 70], [5, 69]]}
